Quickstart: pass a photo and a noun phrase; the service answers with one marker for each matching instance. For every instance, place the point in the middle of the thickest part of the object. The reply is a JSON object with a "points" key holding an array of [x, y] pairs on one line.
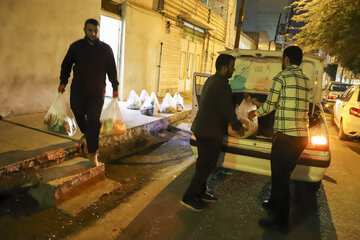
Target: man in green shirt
{"points": [[216, 111], [289, 96]]}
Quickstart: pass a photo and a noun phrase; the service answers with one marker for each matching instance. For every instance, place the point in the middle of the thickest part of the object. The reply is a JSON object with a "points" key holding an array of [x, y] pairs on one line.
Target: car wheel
{"points": [[342, 135]]}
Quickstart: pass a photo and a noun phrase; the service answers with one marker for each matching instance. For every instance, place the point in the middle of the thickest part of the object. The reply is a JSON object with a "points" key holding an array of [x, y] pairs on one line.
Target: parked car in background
{"points": [[331, 92], [346, 113]]}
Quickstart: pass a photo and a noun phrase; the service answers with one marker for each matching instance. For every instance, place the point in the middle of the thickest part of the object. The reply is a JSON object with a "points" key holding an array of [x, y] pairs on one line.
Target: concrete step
{"points": [[59, 183], [88, 194]]}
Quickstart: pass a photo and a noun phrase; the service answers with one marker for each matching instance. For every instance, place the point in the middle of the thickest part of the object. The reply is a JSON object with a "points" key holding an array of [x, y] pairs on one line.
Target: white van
{"points": [[254, 71]]}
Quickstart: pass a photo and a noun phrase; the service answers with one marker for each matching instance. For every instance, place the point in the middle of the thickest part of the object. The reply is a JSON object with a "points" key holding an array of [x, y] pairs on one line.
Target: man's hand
{"points": [[61, 88], [115, 94], [251, 114]]}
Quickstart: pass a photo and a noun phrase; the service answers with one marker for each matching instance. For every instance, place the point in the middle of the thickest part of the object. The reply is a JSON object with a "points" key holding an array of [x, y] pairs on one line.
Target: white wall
{"points": [[35, 37], [143, 34]]}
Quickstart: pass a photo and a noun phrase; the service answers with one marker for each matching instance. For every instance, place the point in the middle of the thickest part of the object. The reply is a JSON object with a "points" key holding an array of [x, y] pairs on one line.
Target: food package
{"points": [[179, 102], [156, 101], [111, 120], [143, 95], [150, 107], [250, 127], [168, 105], [59, 118], [133, 101]]}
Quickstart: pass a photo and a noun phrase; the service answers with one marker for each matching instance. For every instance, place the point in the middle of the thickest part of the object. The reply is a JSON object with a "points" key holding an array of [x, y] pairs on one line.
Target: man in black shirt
{"points": [[92, 60], [216, 111]]}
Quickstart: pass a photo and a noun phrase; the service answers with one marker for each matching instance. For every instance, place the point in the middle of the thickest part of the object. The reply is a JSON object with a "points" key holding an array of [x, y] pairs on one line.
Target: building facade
{"points": [[158, 44]]}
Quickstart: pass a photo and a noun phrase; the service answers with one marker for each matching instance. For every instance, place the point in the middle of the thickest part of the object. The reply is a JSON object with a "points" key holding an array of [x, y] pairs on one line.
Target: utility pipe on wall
{"points": [[159, 66], [239, 25]]}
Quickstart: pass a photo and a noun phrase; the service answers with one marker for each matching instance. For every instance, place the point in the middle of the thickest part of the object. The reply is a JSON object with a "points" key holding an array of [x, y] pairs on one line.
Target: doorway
{"points": [[110, 33]]}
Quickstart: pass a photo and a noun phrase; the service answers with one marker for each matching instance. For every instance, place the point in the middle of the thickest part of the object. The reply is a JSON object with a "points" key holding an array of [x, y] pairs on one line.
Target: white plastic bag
{"points": [[156, 101], [150, 107], [143, 95], [59, 118], [179, 102], [133, 101], [168, 105], [250, 126], [111, 120]]}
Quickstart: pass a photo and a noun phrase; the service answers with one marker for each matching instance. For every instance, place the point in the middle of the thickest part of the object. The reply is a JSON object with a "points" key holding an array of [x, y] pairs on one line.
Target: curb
{"points": [[22, 174]]}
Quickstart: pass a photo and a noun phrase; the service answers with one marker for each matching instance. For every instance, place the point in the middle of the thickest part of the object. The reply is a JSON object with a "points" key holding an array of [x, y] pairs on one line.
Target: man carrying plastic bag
{"points": [[111, 120], [91, 60], [59, 118]]}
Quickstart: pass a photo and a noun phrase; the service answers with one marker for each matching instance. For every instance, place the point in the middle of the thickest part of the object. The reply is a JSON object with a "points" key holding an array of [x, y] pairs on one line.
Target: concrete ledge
{"points": [[136, 138], [22, 173], [58, 182]]}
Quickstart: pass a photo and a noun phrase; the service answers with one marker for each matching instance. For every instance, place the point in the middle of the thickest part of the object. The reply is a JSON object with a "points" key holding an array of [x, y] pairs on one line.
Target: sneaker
{"points": [[209, 197], [195, 205]]}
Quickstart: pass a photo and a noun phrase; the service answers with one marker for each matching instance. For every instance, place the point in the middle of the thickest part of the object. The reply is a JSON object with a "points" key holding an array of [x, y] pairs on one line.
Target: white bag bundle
{"points": [[179, 102], [156, 101], [251, 126], [133, 101], [149, 107], [111, 120], [168, 105], [143, 95], [59, 118]]}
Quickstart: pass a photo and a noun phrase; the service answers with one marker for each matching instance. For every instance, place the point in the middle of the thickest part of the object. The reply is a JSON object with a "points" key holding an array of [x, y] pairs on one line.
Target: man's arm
{"points": [[271, 101], [66, 68], [111, 71], [227, 107]]}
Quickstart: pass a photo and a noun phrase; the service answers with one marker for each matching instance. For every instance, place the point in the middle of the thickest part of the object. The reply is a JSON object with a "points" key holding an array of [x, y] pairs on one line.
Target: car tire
{"points": [[342, 135]]}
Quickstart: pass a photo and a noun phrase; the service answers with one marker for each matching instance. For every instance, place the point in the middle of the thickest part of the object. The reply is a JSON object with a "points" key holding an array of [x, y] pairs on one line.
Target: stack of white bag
{"points": [[150, 106], [168, 105], [250, 126], [179, 102], [133, 101]]}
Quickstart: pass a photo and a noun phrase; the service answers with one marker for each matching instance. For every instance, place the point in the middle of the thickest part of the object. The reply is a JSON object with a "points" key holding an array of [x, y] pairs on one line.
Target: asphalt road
{"points": [[147, 206], [331, 213]]}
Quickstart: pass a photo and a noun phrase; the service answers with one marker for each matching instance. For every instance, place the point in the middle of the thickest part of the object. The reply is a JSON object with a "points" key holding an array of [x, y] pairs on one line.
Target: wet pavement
{"points": [[21, 217], [331, 213]]}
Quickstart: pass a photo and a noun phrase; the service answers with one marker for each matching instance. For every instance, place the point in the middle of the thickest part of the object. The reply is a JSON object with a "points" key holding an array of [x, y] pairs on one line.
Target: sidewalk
{"points": [[26, 147]]}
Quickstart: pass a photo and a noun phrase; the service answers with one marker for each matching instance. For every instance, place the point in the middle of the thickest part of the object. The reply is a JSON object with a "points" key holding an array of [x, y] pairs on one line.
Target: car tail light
{"points": [[332, 97], [355, 112], [319, 138]]}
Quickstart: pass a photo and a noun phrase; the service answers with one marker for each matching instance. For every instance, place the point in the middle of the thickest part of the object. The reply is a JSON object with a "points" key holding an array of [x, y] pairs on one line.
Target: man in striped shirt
{"points": [[289, 96]]}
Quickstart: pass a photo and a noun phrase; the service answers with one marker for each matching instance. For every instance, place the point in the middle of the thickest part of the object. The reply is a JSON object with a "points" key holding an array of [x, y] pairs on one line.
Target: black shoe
{"points": [[267, 205], [209, 197], [195, 204], [273, 224]]}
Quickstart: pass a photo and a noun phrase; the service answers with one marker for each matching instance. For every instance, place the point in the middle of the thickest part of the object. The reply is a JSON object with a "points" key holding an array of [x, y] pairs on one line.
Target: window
{"points": [[193, 33], [339, 87]]}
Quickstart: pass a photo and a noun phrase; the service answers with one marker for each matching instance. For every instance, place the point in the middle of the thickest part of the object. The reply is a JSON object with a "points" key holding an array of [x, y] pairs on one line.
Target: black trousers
{"points": [[285, 153], [208, 152], [87, 111]]}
